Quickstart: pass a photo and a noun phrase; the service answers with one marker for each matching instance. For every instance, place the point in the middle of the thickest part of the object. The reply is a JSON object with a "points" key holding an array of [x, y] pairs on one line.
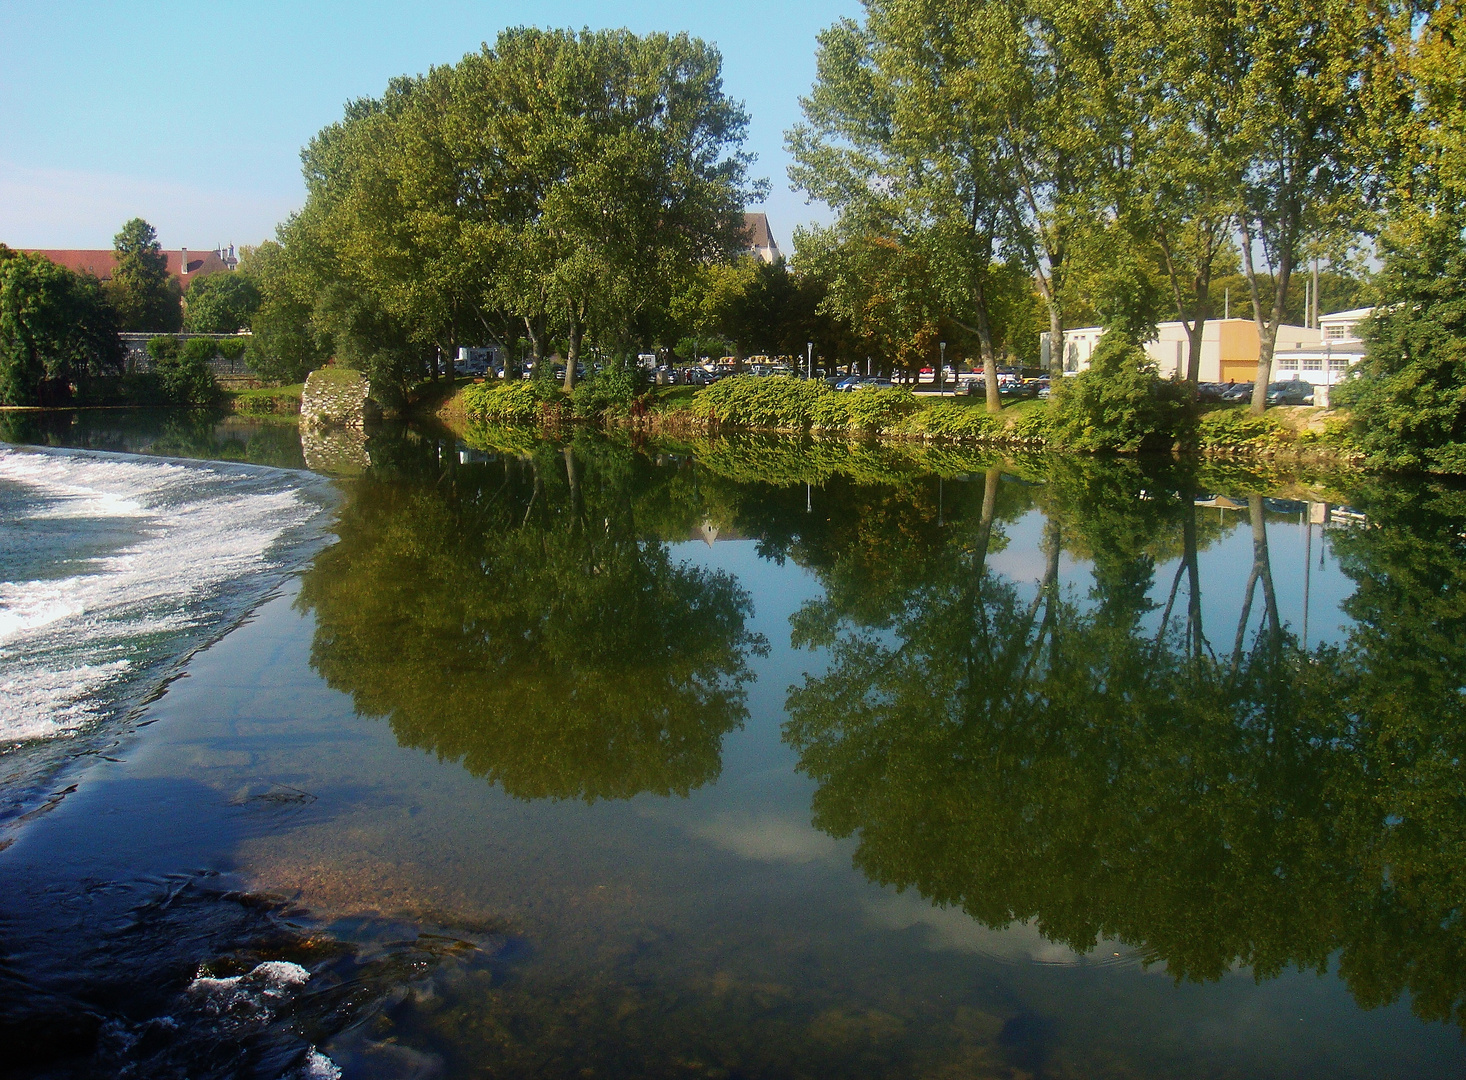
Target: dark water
{"points": [[759, 759]]}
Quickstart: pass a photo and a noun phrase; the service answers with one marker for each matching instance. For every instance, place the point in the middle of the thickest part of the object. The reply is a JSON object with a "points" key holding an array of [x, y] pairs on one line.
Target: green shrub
{"points": [[1234, 425], [878, 410], [611, 391], [515, 402], [164, 347], [231, 349], [1119, 403], [185, 375], [953, 420], [761, 401], [1034, 425]]}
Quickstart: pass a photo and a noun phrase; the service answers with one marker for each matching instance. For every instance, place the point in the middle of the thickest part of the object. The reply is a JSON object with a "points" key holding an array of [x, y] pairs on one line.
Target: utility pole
{"points": [[809, 367], [1315, 292], [941, 365]]}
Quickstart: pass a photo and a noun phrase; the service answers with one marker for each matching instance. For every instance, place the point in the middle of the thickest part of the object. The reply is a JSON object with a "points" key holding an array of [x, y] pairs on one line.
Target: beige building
{"points": [[1229, 348]]}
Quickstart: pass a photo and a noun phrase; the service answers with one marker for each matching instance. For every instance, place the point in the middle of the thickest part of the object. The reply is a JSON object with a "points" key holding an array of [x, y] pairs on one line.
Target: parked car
{"points": [[873, 384], [1241, 391], [849, 382], [1293, 392], [1211, 391], [1018, 391]]}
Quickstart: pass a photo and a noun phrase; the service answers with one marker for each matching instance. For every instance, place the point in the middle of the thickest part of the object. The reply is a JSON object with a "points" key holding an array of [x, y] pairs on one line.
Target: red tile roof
{"points": [[101, 263]]}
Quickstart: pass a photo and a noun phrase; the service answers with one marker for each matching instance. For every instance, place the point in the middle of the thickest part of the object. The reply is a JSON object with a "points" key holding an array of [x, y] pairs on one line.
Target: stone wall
{"points": [[335, 397]]}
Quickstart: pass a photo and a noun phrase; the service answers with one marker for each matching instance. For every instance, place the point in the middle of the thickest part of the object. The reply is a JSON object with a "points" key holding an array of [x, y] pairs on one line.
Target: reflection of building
{"points": [[760, 238], [710, 534], [184, 266], [1229, 348]]}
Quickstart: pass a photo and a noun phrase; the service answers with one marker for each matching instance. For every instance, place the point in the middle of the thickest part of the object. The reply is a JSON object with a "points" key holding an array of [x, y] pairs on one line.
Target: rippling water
{"points": [[114, 567]]}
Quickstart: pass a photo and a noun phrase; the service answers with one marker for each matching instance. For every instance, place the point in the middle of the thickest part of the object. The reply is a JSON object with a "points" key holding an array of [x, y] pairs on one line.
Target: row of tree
{"points": [[1117, 155]]}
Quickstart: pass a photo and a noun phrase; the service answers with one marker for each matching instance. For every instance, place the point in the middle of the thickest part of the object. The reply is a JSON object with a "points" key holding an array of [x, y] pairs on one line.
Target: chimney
{"points": [[183, 267]]}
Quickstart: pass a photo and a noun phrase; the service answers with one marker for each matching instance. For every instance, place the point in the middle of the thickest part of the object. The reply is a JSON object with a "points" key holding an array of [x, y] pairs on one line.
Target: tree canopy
{"points": [[140, 290]]}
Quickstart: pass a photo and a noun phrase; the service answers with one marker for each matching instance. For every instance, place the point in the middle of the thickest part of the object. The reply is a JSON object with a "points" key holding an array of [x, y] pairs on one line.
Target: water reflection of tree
{"points": [[1103, 772], [522, 617]]}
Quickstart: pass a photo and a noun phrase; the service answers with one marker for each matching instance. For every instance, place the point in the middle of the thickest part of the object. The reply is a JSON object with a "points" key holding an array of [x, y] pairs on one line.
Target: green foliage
{"points": [[182, 370], [140, 290], [515, 402], [1410, 398], [761, 402], [1035, 425], [1119, 403], [609, 392], [284, 345], [864, 411], [1234, 425], [266, 400], [54, 324], [221, 303], [231, 348], [953, 420], [165, 347], [364, 337]]}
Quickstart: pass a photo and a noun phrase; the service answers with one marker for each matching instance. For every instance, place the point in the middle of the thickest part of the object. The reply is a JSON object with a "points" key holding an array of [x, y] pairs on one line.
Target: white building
{"points": [[1329, 361], [1229, 348]]}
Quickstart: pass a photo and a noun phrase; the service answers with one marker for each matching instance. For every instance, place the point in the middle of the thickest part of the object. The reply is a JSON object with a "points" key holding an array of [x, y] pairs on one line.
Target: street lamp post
{"points": [[941, 365], [809, 366]]}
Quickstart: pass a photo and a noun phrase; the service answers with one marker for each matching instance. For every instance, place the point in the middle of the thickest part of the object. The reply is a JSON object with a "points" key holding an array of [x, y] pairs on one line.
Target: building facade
{"points": [[1229, 348], [1329, 361]]}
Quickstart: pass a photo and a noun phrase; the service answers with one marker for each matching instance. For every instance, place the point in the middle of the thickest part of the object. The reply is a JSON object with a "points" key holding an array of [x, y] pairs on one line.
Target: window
{"points": [[1336, 333], [1338, 364], [1314, 364], [1287, 363]]}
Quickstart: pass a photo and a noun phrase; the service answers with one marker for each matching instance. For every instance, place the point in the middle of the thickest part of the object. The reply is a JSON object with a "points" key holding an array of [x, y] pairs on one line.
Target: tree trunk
{"points": [[1056, 343], [1267, 328], [573, 353], [1193, 349], [536, 346]]}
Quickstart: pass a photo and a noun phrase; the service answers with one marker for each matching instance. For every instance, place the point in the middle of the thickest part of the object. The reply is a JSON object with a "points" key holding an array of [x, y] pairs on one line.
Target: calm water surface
{"points": [[743, 759]]}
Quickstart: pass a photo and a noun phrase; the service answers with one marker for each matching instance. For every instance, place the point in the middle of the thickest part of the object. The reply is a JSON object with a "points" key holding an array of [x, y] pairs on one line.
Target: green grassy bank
{"points": [[794, 406]]}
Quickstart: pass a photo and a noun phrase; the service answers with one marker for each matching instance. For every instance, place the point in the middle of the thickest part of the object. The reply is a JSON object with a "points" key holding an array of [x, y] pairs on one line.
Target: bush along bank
{"points": [[1119, 405]]}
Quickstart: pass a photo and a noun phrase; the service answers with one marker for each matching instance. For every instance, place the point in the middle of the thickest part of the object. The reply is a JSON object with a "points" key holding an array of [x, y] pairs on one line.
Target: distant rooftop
{"points": [[760, 237], [101, 262]]}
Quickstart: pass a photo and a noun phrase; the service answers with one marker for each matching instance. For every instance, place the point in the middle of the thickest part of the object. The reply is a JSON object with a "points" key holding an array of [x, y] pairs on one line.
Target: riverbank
{"points": [[1295, 436]]}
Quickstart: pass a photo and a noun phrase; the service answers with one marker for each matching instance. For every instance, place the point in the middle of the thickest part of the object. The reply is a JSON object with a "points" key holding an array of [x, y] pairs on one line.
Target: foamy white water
{"points": [[111, 565]]}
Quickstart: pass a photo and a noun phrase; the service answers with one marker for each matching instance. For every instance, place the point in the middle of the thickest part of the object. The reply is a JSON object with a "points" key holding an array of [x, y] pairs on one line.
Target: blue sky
{"points": [[192, 115]]}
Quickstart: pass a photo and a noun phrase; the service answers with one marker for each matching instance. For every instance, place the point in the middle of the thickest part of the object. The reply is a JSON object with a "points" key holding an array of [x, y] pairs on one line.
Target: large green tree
{"points": [[1310, 100], [54, 324], [141, 291], [1410, 399], [569, 180]]}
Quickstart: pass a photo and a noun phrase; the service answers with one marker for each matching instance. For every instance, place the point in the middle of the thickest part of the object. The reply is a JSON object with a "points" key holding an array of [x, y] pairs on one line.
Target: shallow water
{"points": [[759, 759]]}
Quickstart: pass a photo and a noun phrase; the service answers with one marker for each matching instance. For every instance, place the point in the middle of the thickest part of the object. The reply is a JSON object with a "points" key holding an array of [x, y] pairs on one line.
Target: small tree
{"points": [[1119, 403]]}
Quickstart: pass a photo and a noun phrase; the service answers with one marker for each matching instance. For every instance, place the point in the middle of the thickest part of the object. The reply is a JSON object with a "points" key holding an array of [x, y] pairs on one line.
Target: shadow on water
{"points": [[1101, 756]]}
